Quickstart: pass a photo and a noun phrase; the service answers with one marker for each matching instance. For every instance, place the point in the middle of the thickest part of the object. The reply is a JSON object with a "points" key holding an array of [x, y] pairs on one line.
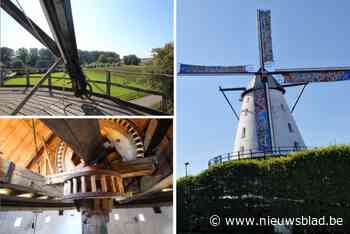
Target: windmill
{"points": [[266, 123]]}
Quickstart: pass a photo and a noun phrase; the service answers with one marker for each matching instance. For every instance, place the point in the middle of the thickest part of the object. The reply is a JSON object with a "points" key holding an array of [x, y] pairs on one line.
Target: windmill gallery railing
{"points": [[254, 154], [156, 84]]}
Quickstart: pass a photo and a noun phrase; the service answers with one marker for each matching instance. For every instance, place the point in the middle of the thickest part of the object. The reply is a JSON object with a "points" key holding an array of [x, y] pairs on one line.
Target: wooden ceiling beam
{"points": [[21, 179], [137, 167]]}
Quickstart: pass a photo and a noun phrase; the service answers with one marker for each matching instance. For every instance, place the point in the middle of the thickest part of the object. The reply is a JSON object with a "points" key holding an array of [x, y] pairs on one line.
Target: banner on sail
{"points": [[321, 76], [186, 69], [264, 22], [262, 121]]}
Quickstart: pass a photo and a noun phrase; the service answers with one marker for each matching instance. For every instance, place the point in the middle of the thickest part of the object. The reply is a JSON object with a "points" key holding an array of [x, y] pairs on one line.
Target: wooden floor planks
{"points": [[59, 103]]}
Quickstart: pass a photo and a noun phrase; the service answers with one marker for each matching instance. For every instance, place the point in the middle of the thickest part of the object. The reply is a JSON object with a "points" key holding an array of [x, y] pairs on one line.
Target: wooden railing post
{"points": [[108, 83], [49, 80], [27, 78], [2, 77], [164, 103]]}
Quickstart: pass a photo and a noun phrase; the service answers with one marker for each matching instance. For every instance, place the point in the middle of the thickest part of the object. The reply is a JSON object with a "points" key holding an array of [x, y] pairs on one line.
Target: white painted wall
{"points": [[70, 222], [281, 116], [247, 121]]}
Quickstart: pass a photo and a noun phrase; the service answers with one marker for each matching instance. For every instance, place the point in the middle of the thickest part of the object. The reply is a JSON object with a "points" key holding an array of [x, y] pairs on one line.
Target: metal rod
{"points": [[228, 101], [234, 89], [299, 96], [35, 88]]}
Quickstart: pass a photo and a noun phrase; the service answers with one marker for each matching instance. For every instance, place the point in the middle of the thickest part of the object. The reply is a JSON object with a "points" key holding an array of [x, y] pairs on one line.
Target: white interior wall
{"points": [[70, 223]]}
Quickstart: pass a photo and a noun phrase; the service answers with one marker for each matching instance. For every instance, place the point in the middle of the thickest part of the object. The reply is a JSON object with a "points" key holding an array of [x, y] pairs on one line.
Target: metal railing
{"points": [[254, 154]]}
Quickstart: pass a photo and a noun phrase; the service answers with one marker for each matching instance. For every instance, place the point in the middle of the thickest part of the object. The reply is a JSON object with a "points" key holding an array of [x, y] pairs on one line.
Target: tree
{"points": [[6, 55], [46, 55], [33, 56], [102, 59], [131, 60], [163, 60], [23, 55], [108, 57]]}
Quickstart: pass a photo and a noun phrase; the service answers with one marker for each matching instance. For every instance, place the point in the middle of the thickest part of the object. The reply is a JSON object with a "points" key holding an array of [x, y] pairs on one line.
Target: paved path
{"points": [[148, 101]]}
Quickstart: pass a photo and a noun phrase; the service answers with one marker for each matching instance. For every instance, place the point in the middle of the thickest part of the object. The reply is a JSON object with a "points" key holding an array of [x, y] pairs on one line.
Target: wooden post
{"points": [[95, 216], [2, 77], [49, 83], [27, 78], [108, 83], [164, 104]]}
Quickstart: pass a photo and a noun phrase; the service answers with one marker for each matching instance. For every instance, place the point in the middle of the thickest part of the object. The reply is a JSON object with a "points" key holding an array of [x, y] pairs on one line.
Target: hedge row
{"points": [[312, 183]]}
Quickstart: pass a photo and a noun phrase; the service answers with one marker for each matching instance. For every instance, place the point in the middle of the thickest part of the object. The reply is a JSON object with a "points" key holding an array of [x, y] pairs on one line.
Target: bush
{"points": [[310, 183]]}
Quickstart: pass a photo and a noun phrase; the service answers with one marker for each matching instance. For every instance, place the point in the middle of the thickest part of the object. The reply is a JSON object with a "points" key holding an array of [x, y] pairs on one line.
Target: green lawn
{"points": [[98, 75]]}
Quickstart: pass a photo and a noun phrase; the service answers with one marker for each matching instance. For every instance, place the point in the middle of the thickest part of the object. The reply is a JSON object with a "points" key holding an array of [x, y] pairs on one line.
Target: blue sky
{"points": [[123, 26], [304, 33]]}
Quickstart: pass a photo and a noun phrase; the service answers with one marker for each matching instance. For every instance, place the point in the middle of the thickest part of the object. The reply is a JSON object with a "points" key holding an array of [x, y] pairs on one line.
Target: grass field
{"points": [[97, 75]]}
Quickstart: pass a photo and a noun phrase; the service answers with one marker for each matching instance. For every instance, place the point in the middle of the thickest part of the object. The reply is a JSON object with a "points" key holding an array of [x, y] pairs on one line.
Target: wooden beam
{"points": [[151, 129], [20, 203], [25, 180], [137, 167], [61, 177], [157, 187]]}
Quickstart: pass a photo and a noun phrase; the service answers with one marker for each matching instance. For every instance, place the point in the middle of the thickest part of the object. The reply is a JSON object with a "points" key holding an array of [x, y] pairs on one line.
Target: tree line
{"points": [[43, 58]]}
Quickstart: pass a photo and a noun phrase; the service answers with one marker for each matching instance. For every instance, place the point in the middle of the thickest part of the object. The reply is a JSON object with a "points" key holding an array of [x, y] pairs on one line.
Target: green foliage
{"points": [[33, 56], [108, 57], [131, 60], [162, 63], [6, 55], [313, 182], [163, 60], [23, 55]]}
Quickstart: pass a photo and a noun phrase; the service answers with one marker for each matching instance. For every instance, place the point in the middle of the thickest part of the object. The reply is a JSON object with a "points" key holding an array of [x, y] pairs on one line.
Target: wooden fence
{"points": [[165, 98]]}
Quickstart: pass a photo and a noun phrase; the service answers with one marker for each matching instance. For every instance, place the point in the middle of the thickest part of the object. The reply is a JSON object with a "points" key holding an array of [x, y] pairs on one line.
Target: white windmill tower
{"points": [[266, 124]]}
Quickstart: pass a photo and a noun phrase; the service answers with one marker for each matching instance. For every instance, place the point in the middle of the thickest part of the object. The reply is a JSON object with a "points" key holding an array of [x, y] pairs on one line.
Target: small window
{"points": [[245, 112], [242, 149], [243, 132], [282, 107], [290, 127], [247, 100]]}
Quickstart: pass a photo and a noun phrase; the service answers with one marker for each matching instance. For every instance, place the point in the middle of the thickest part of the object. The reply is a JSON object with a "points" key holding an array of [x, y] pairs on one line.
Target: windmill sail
{"points": [[292, 76], [186, 69], [265, 38]]}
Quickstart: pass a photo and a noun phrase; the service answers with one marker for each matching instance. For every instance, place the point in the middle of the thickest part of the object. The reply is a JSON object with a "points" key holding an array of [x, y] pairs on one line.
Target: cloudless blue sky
{"points": [[304, 34], [123, 26]]}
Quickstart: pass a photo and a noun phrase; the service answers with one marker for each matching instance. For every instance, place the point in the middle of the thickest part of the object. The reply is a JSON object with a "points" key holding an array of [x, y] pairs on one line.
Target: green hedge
{"points": [[313, 182]]}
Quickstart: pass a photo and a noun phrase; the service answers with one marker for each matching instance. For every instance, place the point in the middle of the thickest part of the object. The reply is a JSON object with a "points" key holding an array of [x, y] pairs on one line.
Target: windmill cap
{"points": [[257, 83]]}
